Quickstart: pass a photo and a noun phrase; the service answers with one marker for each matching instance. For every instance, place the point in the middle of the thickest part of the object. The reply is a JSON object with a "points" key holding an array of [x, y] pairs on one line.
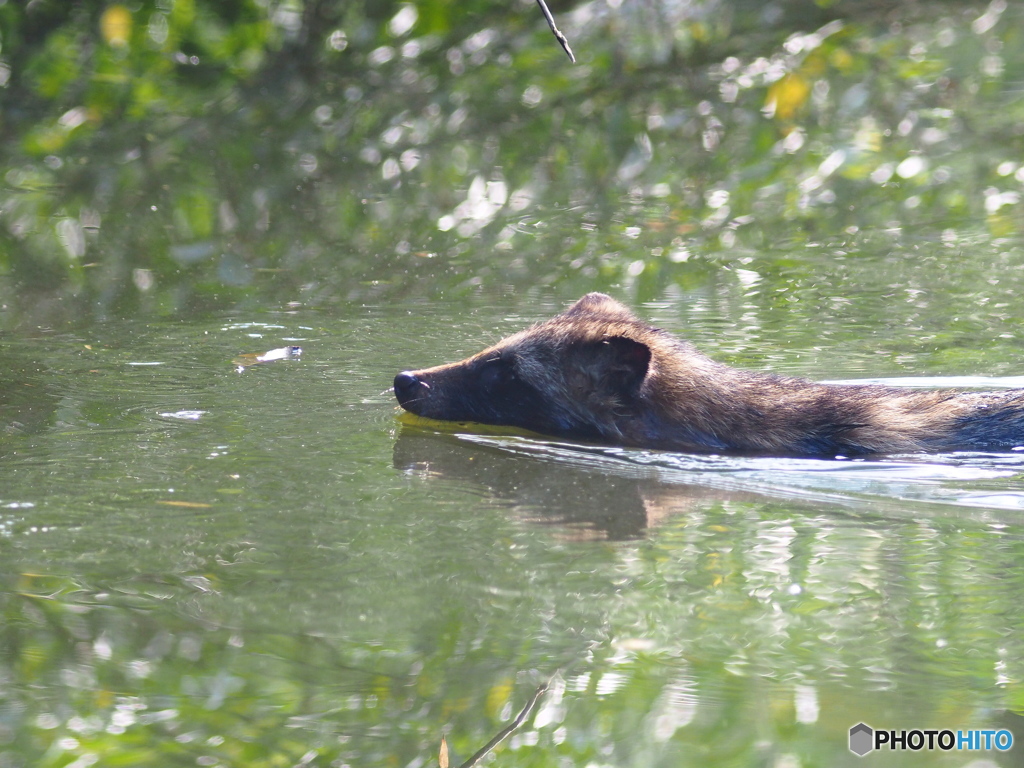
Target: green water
{"points": [[223, 567]]}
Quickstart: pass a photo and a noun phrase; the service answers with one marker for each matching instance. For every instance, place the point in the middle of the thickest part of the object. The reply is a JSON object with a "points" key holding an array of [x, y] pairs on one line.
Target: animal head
{"points": [[573, 375]]}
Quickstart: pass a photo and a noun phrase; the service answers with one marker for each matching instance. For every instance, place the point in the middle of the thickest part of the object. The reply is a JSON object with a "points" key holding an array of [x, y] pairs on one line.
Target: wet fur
{"points": [[596, 372]]}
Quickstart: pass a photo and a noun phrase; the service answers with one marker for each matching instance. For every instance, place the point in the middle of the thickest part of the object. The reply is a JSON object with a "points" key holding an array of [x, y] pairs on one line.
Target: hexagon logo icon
{"points": [[861, 739]]}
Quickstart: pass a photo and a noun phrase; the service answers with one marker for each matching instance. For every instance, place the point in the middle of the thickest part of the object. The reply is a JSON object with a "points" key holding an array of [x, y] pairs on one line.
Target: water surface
{"points": [[226, 566]]}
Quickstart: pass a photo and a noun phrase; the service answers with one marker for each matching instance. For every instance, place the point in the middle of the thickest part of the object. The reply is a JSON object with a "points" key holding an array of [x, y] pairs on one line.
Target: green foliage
{"points": [[421, 146]]}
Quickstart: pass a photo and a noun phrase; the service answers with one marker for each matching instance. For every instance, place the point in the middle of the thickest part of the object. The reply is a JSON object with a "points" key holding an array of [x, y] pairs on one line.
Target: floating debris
{"points": [[183, 415], [250, 358]]}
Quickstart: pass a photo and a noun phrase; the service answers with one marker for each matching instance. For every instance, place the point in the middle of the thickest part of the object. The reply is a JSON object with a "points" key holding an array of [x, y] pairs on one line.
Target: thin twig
{"points": [[520, 718], [554, 30]]}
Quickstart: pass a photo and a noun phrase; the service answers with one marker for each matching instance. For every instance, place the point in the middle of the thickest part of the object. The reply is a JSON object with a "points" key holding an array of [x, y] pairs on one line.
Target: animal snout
{"points": [[409, 387]]}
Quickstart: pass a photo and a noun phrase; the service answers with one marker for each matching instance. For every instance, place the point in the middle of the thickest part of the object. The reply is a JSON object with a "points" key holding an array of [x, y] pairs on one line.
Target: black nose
{"points": [[408, 386]]}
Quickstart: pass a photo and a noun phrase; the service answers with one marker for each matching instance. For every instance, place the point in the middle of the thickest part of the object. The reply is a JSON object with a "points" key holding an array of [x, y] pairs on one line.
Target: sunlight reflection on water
{"points": [[960, 479], [942, 382]]}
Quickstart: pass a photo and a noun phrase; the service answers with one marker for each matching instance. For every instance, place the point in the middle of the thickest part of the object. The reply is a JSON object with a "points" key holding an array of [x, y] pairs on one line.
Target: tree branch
{"points": [[554, 30]]}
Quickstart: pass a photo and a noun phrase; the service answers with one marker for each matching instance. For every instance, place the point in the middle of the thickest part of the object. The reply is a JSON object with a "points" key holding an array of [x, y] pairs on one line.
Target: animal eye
{"points": [[494, 373]]}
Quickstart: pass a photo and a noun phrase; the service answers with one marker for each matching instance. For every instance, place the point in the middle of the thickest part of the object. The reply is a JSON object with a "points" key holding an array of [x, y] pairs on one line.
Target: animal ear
{"points": [[613, 368], [629, 361], [599, 305]]}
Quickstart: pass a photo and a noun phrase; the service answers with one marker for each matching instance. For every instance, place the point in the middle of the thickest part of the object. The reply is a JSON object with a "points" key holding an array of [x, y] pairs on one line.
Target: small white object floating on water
{"points": [[250, 358]]}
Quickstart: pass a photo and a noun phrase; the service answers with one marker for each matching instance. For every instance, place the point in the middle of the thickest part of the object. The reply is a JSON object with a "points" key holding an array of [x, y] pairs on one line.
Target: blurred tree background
{"points": [[167, 156]]}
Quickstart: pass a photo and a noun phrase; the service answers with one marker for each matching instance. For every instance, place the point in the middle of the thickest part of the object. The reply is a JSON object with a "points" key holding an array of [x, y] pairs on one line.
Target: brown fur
{"points": [[597, 372]]}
